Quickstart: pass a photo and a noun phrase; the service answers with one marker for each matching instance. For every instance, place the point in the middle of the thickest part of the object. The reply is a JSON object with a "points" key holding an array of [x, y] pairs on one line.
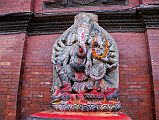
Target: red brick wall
{"points": [[153, 44], [148, 1], [13, 6], [11, 51], [135, 87], [37, 75]]}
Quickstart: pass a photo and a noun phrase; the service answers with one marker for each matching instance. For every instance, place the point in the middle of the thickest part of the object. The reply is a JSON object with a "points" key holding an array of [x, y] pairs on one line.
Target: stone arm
{"points": [[112, 58], [60, 53], [89, 62]]}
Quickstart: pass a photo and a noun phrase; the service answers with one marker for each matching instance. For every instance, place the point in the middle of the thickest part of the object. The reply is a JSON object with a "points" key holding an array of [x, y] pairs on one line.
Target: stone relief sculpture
{"points": [[80, 3], [85, 71]]}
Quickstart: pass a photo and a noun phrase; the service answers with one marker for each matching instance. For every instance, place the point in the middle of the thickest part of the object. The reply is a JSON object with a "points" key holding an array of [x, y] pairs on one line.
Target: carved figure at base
{"points": [[85, 72]]}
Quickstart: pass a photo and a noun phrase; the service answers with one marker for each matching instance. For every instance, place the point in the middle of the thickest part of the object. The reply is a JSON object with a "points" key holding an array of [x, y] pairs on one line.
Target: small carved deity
{"points": [[78, 3], [85, 71]]}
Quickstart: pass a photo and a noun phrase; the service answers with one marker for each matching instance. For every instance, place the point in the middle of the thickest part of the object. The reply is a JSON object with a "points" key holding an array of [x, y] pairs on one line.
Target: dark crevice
{"points": [[19, 101], [151, 77]]}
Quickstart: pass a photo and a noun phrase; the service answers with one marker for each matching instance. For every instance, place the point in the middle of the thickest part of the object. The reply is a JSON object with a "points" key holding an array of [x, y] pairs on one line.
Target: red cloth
{"points": [[83, 115]]}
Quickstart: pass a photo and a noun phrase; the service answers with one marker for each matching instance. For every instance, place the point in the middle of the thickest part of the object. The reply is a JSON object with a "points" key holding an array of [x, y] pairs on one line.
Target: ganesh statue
{"points": [[85, 68]]}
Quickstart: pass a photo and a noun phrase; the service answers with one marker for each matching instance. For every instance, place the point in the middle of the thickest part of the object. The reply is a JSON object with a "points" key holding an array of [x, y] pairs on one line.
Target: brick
{"points": [[5, 63], [16, 6], [152, 39], [9, 74]]}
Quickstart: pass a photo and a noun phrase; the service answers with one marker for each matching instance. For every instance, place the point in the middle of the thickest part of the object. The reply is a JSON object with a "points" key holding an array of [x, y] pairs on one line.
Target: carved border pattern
{"points": [[131, 20], [78, 3]]}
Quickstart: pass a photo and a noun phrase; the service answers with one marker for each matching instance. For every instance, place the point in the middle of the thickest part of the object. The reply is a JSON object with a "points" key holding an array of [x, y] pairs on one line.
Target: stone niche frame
{"points": [[137, 19], [51, 4]]}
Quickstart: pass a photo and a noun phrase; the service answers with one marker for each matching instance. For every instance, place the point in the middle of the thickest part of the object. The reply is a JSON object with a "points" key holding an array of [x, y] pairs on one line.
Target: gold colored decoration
{"points": [[95, 55]]}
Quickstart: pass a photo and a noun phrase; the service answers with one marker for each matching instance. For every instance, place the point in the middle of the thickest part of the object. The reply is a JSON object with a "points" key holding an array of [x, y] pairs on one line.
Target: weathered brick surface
{"points": [[153, 42], [11, 50], [156, 1], [135, 87], [37, 75], [148, 1], [13, 6]]}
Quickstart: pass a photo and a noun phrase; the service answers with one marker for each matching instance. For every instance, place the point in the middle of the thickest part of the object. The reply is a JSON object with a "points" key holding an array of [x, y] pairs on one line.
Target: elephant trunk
{"points": [[82, 51]]}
